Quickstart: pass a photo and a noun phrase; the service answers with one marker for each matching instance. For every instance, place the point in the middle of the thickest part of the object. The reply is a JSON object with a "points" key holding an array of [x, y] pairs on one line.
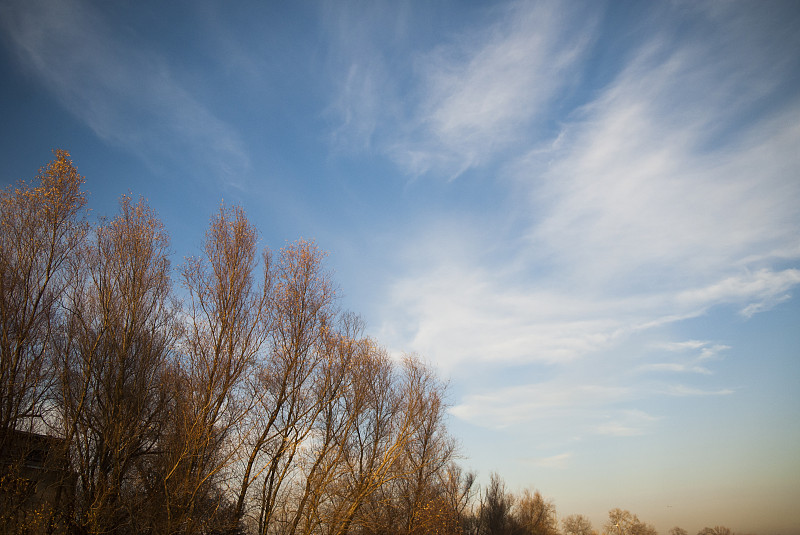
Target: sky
{"points": [[583, 214]]}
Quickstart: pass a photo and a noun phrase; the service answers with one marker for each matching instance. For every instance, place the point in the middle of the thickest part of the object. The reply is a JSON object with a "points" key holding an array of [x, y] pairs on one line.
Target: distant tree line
{"points": [[251, 405]]}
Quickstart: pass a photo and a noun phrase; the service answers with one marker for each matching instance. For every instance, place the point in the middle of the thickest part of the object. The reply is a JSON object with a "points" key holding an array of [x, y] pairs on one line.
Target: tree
{"points": [[254, 406], [716, 530], [321, 463], [114, 351], [458, 488], [42, 226], [577, 525], [415, 498], [227, 322], [622, 522], [353, 463], [290, 381], [678, 531], [534, 515], [495, 508], [382, 412]]}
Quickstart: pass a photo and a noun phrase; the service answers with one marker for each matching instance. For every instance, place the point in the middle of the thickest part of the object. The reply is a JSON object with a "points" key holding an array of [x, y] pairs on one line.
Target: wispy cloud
{"points": [[484, 91], [563, 412], [558, 461], [671, 192], [701, 349], [124, 91], [465, 101], [365, 70], [626, 423], [520, 405], [675, 367], [684, 391], [691, 356], [461, 313]]}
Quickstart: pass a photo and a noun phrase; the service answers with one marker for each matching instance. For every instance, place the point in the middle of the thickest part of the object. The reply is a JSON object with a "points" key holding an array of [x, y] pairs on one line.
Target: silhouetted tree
{"points": [[495, 509], [256, 406], [418, 496]]}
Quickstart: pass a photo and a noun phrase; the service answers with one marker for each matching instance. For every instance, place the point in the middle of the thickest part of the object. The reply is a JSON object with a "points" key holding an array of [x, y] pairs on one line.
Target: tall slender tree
{"points": [[227, 322], [286, 383], [42, 224], [115, 352]]}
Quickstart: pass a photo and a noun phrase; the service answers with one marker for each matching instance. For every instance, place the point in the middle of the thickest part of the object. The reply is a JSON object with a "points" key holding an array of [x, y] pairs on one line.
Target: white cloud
{"points": [[519, 405], [682, 346], [633, 204], [458, 315], [685, 391], [558, 461], [123, 91], [365, 70], [672, 192], [675, 367], [358, 109], [754, 308], [758, 291], [478, 94], [690, 356], [481, 92], [562, 412], [625, 423], [712, 352]]}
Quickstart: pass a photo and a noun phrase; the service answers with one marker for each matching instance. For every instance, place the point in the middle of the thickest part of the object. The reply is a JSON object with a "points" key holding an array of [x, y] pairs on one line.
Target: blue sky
{"points": [[584, 214]]}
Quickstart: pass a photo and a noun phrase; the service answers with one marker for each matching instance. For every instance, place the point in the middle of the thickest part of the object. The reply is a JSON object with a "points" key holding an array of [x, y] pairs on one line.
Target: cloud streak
{"points": [[668, 193], [520, 405], [482, 93], [462, 103], [121, 89], [559, 461]]}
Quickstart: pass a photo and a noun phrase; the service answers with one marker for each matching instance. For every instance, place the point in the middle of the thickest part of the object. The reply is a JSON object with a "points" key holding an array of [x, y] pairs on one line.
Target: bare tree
{"points": [[577, 525], [678, 531], [716, 530], [534, 515], [495, 516], [114, 352], [226, 325], [416, 499], [286, 384], [257, 406], [41, 226], [428, 450], [360, 439], [622, 522], [375, 439], [322, 460], [459, 488]]}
